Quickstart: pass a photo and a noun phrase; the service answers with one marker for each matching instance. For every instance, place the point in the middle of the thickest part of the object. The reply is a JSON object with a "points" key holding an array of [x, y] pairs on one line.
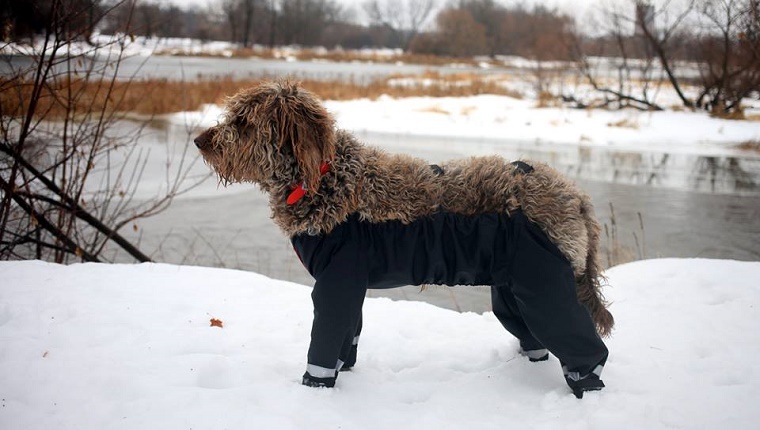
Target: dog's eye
{"points": [[237, 121]]}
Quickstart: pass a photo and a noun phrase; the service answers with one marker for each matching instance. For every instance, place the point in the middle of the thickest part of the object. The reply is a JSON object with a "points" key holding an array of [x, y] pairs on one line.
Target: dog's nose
{"points": [[203, 139], [199, 141]]}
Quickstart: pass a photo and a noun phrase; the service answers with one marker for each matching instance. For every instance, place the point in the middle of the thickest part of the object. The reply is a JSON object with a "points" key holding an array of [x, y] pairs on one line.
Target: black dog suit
{"points": [[532, 284]]}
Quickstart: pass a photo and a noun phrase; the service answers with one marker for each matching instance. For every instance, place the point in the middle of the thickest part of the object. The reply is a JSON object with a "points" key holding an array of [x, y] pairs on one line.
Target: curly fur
{"points": [[277, 135]]}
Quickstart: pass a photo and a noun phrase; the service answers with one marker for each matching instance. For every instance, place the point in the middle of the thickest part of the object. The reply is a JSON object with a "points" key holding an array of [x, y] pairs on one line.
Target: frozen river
{"points": [[191, 68]]}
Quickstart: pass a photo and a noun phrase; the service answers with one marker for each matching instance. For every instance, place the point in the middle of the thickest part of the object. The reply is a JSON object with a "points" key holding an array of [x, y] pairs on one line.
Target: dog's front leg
{"points": [[338, 301]]}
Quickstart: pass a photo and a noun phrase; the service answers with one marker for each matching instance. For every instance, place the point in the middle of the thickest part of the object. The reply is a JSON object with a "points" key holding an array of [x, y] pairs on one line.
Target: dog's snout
{"points": [[203, 139]]}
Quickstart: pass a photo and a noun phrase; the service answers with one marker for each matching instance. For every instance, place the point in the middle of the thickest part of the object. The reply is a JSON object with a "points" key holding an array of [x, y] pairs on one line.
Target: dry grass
{"points": [[81, 96], [624, 123], [467, 110], [435, 84], [435, 109], [375, 57], [750, 145], [547, 99], [153, 97], [735, 115]]}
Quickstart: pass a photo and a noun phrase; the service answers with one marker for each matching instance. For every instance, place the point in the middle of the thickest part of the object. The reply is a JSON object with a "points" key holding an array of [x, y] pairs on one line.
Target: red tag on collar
{"points": [[300, 191], [296, 194]]}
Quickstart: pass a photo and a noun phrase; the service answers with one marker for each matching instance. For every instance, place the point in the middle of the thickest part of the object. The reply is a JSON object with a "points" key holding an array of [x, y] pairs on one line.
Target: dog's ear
{"points": [[303, 124]]}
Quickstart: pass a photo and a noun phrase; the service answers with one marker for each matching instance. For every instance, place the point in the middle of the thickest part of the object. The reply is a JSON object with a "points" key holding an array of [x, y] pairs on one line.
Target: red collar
{"points": [[300, 190]]}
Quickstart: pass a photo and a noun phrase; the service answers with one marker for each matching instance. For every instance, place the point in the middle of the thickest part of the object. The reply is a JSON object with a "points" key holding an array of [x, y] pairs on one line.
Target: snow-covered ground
{"points": [[502, 117], [507, 118], [92, 346]]}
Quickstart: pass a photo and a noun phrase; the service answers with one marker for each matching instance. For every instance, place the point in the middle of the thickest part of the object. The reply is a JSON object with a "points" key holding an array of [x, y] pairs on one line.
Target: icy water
{"points": [[665, 205], [191, 68]]}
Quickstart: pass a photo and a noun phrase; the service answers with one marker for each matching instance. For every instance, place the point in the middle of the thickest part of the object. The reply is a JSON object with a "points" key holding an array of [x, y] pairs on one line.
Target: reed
{"points": [[614, 248]]}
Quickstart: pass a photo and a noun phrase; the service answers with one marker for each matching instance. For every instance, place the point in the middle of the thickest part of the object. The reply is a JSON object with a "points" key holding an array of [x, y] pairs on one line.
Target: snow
{"points": [[91, 346], [506, 118], [490, 116]]}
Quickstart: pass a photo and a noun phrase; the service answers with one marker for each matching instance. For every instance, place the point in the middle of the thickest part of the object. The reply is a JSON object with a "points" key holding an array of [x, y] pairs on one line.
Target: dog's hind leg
{"points": [[506, 310], [544, 290]]}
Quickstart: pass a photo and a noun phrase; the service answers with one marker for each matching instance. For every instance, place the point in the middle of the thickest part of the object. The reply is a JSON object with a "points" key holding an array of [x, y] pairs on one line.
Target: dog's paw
{"points": [[590, 382], [313, 381], [350, 360], [535, 355]]}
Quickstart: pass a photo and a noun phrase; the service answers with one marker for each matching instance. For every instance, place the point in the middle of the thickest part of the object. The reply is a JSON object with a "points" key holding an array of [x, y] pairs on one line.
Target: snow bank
{"points": [[500, 117], [508, 119], [91, 346]]}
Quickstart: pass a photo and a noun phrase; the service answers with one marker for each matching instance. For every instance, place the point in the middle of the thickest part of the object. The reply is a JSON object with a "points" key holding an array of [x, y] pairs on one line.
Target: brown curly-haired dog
{"points": [[281, 137]]}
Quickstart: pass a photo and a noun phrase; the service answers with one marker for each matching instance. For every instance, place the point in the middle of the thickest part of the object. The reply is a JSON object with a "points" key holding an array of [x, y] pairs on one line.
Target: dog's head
{"points": [[275, 134]]}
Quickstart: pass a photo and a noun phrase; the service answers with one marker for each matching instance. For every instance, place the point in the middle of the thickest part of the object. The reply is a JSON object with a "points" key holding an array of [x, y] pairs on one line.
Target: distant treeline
{"points": [[456, 28], [463, 28]]}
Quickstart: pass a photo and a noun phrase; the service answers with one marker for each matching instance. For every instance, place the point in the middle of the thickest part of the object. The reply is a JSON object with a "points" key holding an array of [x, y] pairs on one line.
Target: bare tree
{"points": [[249, 11], [660, 38], [244, 22], [68, 171], [459, 35], [491, 15], [540, 34], [230, 9], [242, 16], [23, 18], [719, 37], [640, 48], [729, 54], [272, 35], [304, 22], [404, 18], [622, 67]]}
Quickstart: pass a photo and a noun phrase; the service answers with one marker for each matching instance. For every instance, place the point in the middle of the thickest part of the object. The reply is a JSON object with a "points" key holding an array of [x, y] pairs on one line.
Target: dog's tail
{"points": [[589, 283]]}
